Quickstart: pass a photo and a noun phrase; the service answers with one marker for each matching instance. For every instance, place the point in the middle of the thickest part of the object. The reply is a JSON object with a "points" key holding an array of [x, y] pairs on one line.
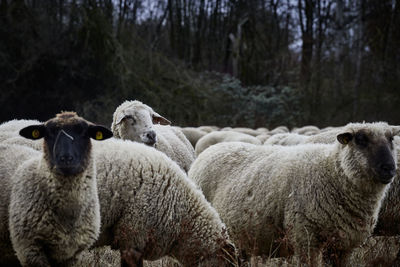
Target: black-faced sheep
{"points": [[389, 218], [52, 197], [311, 195]]}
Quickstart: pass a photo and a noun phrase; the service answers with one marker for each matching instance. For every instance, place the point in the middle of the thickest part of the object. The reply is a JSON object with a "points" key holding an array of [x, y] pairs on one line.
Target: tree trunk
{"points": [[236, 44], [307, 39], [359, 31]]}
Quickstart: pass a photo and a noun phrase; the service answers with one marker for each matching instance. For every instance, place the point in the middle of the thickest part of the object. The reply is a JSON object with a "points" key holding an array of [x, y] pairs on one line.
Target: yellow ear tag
{"points": [[99, 135], [35, 133]]}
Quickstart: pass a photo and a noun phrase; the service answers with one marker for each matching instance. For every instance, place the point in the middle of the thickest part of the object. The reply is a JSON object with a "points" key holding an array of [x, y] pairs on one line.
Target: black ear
{"points": [[345, 138], [33, 132], [99, 133]]}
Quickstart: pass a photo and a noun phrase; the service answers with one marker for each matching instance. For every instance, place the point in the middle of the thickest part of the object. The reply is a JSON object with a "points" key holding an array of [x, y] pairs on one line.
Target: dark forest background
{"points": [[246, 63]]}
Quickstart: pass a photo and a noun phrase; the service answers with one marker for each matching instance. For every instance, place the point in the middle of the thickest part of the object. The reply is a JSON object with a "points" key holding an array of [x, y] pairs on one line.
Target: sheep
{"points": [[51, 199], [286, 139], [312, 195], [11, 157], [16, 125], [208, 128], [290, 139], [389, 218], [248, 131], [279, 129], [329, 128], [306, 130], [150, 209], [228, 128], [193, 134], [223, 136], [262, 130], [10, 129], [263, 137], [9, 133], [133, 120], [19, 140]]}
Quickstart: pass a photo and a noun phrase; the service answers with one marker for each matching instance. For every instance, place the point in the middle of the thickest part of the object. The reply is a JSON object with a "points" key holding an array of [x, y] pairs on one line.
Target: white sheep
{"points": [[9, 133], [10, 129], [11, 157], [290, 139], [244, 130], [193, 134], [208, 128], [262, 130], [279, 129], [286, 139], [133, 120], [150, 209], [315, 196], [263, 137], [306, 130], [223, 136], [14, 126], [51, 200]]}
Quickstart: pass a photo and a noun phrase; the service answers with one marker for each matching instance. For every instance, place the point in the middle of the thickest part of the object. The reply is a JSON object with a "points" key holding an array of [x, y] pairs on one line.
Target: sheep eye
{"points": [[132, 121], [129, 119], [361, 140], [390, 139]]}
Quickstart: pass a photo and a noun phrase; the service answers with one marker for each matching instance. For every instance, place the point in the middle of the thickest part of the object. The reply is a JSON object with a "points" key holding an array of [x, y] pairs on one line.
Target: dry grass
{"points": [[100, 257], [376, 251]]}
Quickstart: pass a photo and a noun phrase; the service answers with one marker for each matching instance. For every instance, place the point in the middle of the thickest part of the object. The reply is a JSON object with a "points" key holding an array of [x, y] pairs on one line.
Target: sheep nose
{"points": [[151, 138], [388, 167], [67, 159], [151, 135], [387, 170]]}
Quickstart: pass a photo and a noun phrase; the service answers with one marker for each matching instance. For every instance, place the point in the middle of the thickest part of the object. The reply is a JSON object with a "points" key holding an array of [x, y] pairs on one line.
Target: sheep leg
{"points": [[131, 258]]}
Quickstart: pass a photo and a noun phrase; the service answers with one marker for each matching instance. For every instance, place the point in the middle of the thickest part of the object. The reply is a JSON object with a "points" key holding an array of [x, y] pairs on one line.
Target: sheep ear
{"points": [[99, 133], [120, 117], [345, 138], [158, 119], [396, 130], [33, 132]]}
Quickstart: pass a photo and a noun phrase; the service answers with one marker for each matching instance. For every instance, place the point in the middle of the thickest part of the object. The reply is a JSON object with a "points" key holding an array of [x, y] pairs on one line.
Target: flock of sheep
{"points": [[161, 195]]}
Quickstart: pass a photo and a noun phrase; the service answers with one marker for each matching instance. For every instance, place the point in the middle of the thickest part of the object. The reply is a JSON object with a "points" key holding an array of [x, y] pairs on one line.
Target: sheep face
{"points": [[136, 124], [372, 151], [67, 144]]}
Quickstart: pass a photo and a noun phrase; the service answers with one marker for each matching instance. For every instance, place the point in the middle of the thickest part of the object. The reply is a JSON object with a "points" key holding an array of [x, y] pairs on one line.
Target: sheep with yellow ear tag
{"points": [[52, 195]]}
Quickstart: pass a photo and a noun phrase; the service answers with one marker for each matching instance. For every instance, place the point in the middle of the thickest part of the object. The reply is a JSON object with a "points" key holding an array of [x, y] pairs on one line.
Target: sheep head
{"points": [[370, 146], [67, 144], [134, 121]]}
